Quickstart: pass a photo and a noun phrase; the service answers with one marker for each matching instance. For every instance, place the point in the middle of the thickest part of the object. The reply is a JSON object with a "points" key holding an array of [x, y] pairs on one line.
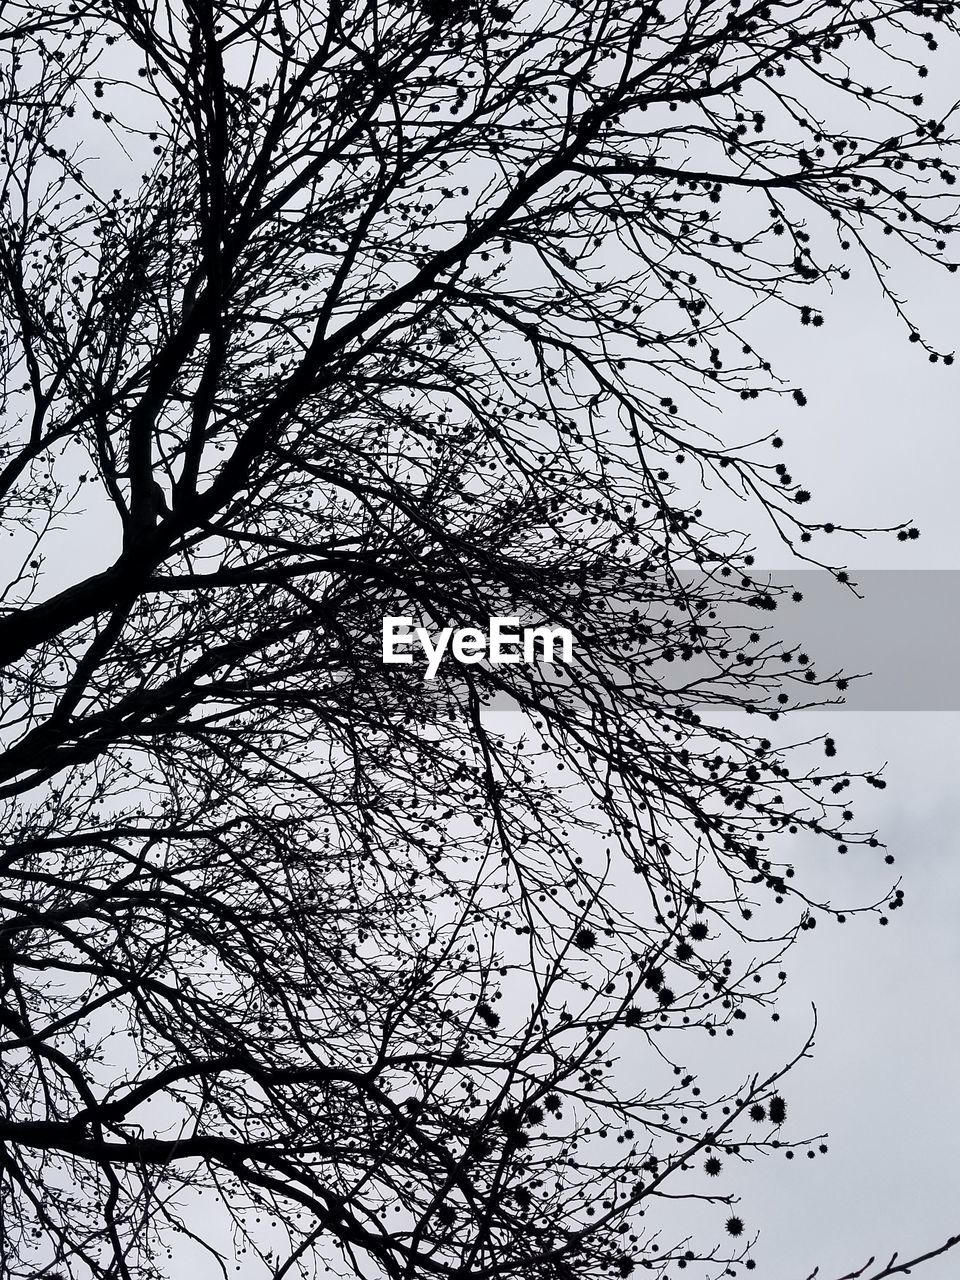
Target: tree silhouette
{"points": [[319, 314]]}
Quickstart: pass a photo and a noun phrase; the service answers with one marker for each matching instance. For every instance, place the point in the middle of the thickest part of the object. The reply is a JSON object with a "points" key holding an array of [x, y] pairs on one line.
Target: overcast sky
{"points": [[879, 443]]}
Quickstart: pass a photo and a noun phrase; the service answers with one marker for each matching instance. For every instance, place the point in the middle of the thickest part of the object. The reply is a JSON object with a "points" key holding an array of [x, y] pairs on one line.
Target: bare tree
{"points": [[316, 314]]}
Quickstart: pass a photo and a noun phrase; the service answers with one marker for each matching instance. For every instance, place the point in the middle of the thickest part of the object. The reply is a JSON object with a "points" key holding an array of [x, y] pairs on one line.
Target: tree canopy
{"points": [[317, 313]]}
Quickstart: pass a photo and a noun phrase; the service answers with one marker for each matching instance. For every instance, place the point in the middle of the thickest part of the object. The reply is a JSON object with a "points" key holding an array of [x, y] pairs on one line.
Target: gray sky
{"points": [[879, 443], [883, 1080]]}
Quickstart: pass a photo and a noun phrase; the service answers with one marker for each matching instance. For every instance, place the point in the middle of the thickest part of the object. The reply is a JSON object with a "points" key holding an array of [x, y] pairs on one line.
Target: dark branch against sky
{"points": [[323, 314]]}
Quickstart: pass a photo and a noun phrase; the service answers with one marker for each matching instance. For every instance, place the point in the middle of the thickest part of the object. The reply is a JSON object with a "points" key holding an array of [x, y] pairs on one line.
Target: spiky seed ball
{"points": [[778, 1109]]}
